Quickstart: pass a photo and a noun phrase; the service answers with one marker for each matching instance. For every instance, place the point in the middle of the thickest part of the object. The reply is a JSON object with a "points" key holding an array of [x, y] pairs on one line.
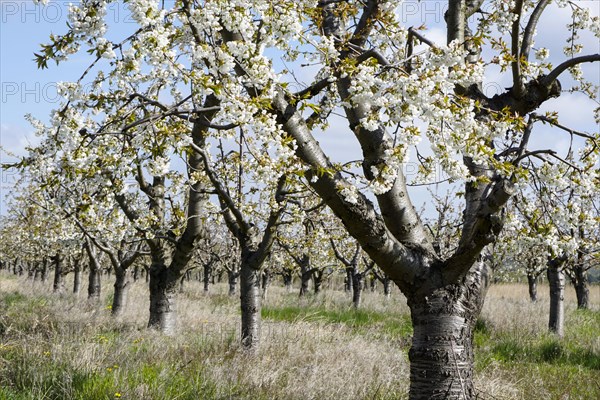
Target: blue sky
{"points": [[25, 89]]}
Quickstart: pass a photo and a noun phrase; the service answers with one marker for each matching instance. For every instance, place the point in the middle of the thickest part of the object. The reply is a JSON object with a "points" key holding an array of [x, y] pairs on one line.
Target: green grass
{"points": [[47, 351], [360, 320], [547, 350]]}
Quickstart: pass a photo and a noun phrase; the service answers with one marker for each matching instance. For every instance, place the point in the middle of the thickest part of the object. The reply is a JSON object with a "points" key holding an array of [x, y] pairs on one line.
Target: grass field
{"points": [[62, 347]]}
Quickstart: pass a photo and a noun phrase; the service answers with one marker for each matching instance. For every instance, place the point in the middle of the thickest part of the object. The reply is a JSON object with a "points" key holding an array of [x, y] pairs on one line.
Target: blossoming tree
{"points": [[193, 71]]}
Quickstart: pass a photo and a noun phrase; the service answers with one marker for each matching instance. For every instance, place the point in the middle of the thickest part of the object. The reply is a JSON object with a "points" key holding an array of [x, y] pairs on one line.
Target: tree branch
{"points": [[553, 75], [518, 86], [530, 28]]}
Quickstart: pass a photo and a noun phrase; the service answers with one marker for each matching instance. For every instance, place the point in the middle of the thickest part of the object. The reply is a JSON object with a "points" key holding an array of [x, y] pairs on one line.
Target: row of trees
{"points": [[192, 122]]}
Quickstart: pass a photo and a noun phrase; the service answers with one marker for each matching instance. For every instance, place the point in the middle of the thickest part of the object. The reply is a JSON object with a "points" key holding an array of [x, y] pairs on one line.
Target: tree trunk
{"points": [[305, 275], [136, 273], [581, 287], [121, 290], [556, 280], [386, 287], [232, 277], [441, 355], [58, 275], [372, 283], [45, 271], [94, 283], [250, 305], [357, 288], [163, 288], [532, 282], [287, 281], [349, 280], [206, 277], [77, 278], [94, 275], [318, 281], [266, 279]]}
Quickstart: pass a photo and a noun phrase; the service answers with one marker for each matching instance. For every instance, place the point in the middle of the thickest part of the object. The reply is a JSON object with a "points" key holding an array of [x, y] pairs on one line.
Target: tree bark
{"points": [[305, 275], [45, 271], [37, 274], [441, 355], [317, 280], [94, 274], [163, 288], [304, 279], [206, 278], [581, 287], [386, 286], [266, 280], [287, 281], [357, 288], [232, 278], [556, 279], [121, 291], [94, 283], [532, 283], [250, 305], [77, 278], [58, 274], [349, 280]]}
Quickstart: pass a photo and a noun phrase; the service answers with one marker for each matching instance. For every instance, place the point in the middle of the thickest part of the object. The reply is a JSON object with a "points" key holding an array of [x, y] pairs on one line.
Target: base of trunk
{"points": [[556, 281], [250, 305], [163, 290], [441, 355], [120, 295]]}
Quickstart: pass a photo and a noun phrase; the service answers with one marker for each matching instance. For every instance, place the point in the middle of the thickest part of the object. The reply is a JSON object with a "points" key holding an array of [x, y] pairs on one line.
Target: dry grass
{"points": [[62, 347]]}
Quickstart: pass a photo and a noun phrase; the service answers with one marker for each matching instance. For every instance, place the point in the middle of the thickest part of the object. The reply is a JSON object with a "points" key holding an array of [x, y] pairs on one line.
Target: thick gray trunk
{"points": [[45, 271], [357, 288], [581, 287], [232, 278], [250, 305], [349, 279], [77, 279], [532, 283], [163, 290], [59, 283], [305, 275], [287, 282], [318, 281], [94, 285], [206, 277], [121, 290], [94, 276], [441, 355], [556, 280]]}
